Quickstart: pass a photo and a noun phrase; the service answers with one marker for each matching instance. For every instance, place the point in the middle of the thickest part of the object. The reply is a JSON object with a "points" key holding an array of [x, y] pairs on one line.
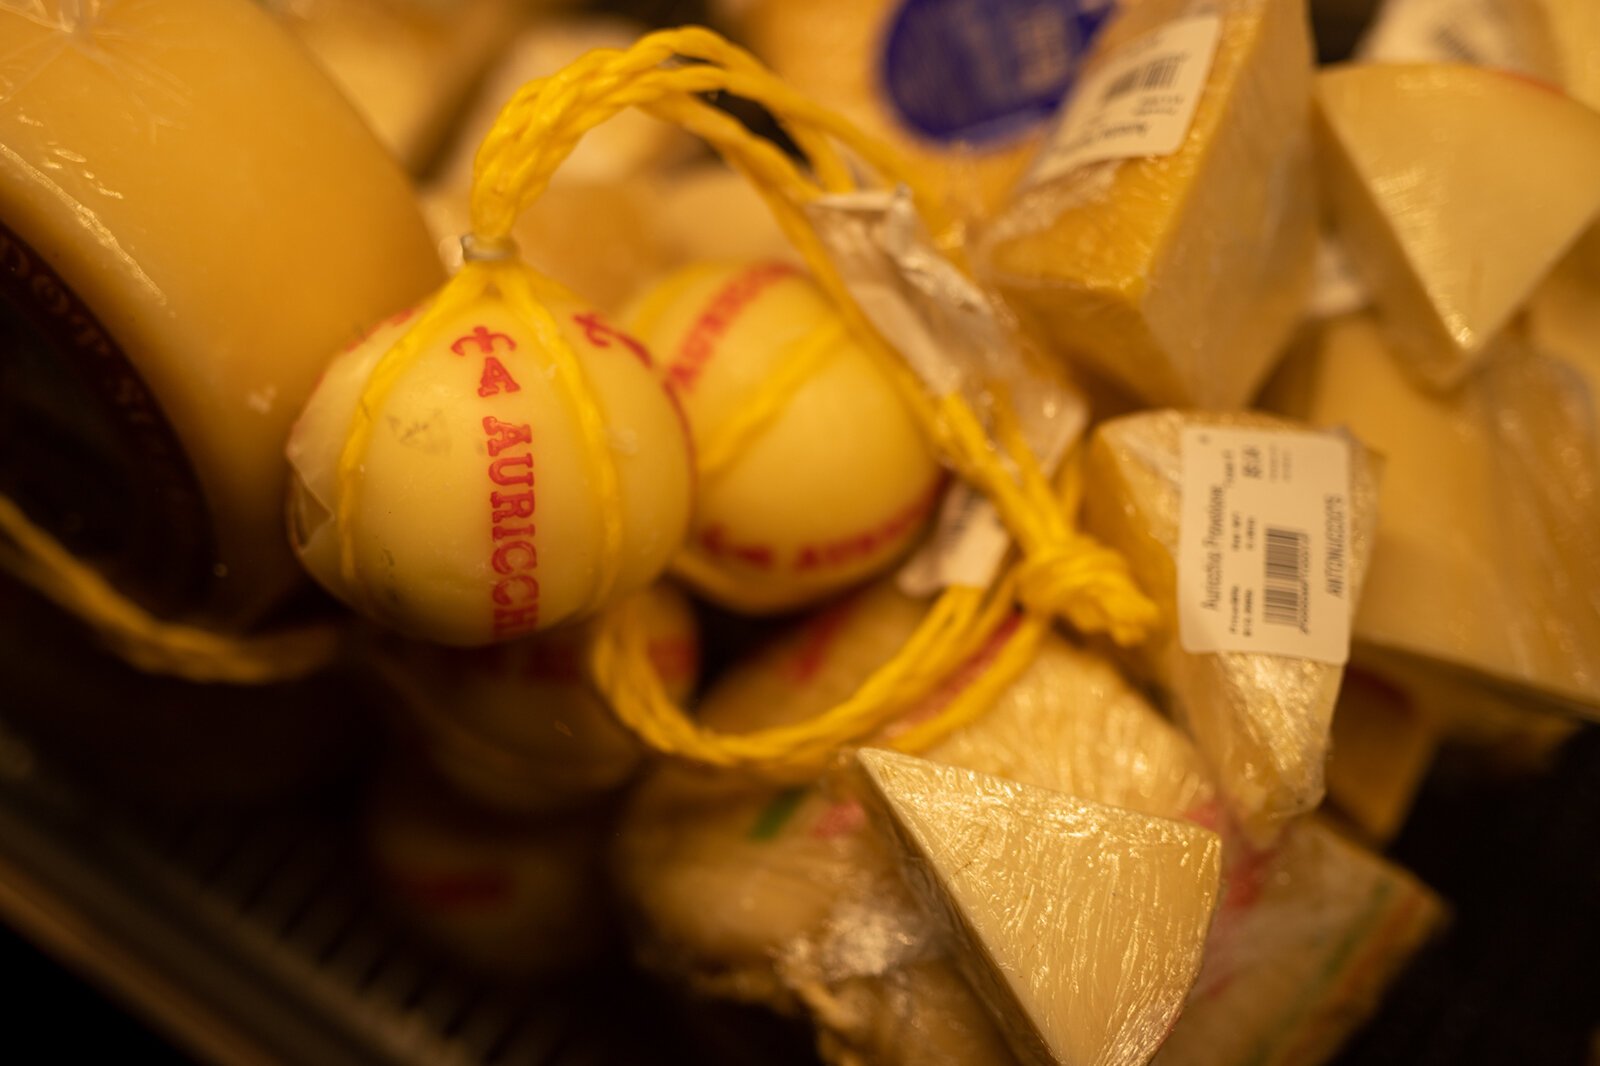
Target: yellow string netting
{"points": [[1060, 572]]}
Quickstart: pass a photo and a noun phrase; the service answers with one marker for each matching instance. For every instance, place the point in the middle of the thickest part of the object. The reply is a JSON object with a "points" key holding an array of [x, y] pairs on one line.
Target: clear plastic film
{"points": [[1483, 572], [1262, 720], [1079, 925], [1452, 232], [516, 726], [788, 897], [1305, 941], [1180, 276]]}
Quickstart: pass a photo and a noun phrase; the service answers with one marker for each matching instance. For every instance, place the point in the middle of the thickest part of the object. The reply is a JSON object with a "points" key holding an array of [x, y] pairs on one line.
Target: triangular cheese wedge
{"points": [[1485, 546], [1180, 276], [1081, 926], [1447, 219], [1261, 720], [1302, 948]]}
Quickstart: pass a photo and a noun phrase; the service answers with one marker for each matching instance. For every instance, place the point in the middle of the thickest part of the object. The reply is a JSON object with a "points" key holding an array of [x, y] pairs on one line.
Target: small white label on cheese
{"points": [[1140, 102], [1264, 543]]}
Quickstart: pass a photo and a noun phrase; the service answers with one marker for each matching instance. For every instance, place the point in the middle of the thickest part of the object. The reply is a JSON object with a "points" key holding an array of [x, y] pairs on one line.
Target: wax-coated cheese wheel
{"points": [[191, 219], [830, 482], [512, 896], [479, 514], [518, 725]]}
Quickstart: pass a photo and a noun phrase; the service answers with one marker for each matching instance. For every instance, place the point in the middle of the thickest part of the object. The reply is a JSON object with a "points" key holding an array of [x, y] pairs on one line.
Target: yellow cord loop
{"points": [[147, 642], [1059, 572]]}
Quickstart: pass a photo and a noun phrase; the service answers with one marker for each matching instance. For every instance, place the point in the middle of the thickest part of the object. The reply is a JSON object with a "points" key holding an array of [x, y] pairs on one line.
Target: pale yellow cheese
{"points": [[513, 896], [1304, 943], [1383, 745], [814, 472], [1080, 925], [407, 67], [1565, 36], [786, 897], [709, 213], [1261, 720], [1471, 584], [198, 218], [1443, 215], [624, 146], [1180, 277], [478, 515], [518, 725], [601, 239]]}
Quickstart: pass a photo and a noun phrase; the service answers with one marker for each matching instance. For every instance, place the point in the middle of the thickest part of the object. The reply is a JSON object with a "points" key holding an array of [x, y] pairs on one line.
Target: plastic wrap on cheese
{"points": [[1484, 570], [785, 897], [1304, 943], [1261, 720], [1444, 219], [1080, 925], [517, 726], [1182, 276]]}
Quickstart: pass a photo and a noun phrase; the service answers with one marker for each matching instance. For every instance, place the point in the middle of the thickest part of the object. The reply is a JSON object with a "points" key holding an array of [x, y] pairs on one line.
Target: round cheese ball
{"points": [[477, 517], [827, 490], [512, 896], [518, 725]]}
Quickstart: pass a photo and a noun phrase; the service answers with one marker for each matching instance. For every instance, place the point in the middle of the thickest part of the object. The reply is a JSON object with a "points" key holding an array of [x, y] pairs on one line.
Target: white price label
{"points": [[1264, 543], [1139, 102]]}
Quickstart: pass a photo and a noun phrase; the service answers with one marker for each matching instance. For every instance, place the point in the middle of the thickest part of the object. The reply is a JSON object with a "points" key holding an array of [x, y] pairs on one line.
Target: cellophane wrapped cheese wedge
{"points": [[1564, 36], [1447, 223], [1305, 941], [814, 473], [1182, 276], [964, 89], [479, 513], [1261, 719], [186, 237], [785, 897], [1483, 570], [1383, 744], [508, 895], [518, 726], [1080, 925]]}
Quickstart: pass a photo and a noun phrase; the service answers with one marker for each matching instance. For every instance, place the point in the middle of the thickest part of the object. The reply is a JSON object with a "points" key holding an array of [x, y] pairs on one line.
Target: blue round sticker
{"points": [[983, 70]]}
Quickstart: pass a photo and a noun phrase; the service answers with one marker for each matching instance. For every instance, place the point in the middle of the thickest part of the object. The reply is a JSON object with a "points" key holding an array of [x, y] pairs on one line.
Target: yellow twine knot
{"points": [[1089, 585]]}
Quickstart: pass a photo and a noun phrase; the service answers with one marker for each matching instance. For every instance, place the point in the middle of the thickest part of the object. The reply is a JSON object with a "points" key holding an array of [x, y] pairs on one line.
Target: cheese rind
{"points": [[229, 224], [1261, 720], [1452, 231], [1180, 277], [1081, 924]]}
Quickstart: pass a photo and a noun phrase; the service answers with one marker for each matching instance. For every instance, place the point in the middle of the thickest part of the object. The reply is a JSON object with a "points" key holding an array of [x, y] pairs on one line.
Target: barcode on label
{"points": [[1288, 556], [1157, 74]]}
